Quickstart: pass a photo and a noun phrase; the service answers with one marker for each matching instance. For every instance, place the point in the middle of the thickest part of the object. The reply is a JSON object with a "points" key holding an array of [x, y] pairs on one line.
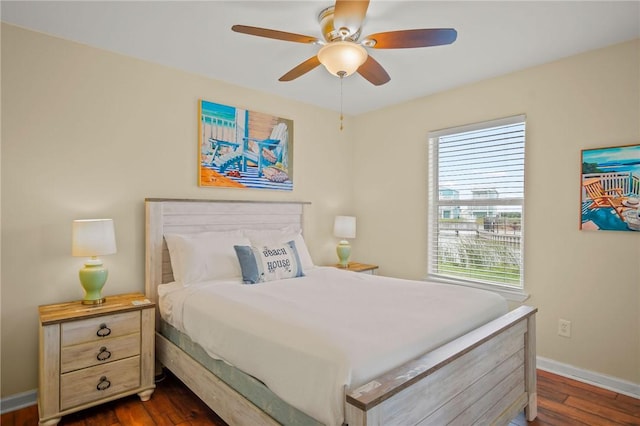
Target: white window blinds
{"points": [[476, 200]]}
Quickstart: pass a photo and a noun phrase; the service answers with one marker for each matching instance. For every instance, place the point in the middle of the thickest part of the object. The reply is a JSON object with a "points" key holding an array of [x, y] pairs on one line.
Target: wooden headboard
{"points": [[190, 216]]}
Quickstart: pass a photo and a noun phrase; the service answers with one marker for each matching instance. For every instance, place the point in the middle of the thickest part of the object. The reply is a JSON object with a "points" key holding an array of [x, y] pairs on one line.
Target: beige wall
{"points": [[87, 133], [591, 278]]}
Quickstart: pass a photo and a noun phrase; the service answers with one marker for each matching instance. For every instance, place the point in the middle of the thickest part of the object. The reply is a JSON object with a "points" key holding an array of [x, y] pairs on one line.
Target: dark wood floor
{"points": [[171, 404], [561, 402]]}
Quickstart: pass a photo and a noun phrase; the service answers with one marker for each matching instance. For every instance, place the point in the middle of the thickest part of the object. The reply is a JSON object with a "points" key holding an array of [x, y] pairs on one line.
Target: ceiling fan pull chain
{"points": [[341, 74]]}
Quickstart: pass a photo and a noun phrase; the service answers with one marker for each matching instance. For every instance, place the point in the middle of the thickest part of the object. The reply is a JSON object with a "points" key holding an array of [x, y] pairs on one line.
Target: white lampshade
{"points": [[344, 227], [93, 237], [342, 56]]}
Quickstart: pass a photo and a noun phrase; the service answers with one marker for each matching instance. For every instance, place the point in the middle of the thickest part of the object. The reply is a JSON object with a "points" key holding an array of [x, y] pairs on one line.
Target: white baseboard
{"points": [[18, 401], [597, 379]]}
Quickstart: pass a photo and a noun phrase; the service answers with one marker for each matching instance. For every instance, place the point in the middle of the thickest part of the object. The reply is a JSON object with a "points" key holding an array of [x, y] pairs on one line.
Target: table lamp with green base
{"points": [[344, 227], [92, 238]]}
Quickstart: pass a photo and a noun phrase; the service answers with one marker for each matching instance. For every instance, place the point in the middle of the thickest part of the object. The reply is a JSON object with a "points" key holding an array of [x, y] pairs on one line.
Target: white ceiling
{"points": [[494, 38]]}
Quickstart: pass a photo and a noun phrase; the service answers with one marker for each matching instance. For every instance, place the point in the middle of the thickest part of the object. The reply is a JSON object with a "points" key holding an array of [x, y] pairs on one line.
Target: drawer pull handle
{"points": [[104, 331], [103, 383], [104, 354]]}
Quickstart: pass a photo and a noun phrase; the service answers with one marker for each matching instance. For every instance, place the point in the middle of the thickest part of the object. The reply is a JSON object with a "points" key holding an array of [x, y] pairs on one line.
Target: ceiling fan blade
{"points": [[301, 69], [373, 71], [411, 38], [275, 34], [349, 14]]}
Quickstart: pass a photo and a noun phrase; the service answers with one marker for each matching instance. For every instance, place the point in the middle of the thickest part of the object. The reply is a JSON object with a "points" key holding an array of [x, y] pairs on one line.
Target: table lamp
{"points": [[92, 238], [344, 227]]}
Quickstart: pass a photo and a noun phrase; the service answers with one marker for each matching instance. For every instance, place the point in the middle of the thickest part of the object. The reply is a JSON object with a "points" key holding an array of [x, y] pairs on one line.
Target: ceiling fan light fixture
{"points": [[342, 57]]}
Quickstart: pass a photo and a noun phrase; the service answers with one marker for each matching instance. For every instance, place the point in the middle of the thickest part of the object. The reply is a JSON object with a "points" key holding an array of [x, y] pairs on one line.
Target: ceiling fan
{"points": [[342, 52]]}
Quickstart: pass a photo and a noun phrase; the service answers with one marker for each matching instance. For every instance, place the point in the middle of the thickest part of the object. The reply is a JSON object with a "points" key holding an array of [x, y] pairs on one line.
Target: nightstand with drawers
{"points": [[89, 355], [358, 267]]}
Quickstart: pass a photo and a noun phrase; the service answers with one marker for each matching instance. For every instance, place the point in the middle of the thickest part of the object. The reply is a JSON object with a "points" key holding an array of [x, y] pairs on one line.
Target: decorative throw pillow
{"points": [[269, 262]]}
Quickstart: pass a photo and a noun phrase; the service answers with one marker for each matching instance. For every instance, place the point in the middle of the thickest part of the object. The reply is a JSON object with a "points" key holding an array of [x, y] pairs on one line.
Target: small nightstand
{"points": [[359, 267], [89, 355]]}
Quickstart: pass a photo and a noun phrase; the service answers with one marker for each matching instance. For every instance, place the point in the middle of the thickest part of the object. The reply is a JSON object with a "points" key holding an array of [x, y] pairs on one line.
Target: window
{"points": [[476, 200]]}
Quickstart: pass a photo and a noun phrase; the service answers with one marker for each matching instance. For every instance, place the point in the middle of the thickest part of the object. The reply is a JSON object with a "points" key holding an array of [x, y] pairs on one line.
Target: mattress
{"points": [[310, 338], [246, 385]]}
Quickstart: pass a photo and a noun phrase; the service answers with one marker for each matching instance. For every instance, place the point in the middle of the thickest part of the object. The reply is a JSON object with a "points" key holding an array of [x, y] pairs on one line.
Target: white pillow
{"points": [[278, 236], [204, 256]]}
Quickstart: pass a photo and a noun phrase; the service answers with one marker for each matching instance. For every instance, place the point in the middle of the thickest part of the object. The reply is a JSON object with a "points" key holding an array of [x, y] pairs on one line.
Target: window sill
{"points": [[511, 294]]}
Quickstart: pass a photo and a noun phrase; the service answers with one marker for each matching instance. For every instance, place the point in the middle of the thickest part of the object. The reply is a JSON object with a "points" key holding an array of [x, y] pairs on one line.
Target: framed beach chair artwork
{"points": [[610, 189], [239, 148]]}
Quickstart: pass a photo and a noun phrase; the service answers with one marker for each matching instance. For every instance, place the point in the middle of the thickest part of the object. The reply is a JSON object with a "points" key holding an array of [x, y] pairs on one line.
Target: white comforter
{"points": [[308, 338]]}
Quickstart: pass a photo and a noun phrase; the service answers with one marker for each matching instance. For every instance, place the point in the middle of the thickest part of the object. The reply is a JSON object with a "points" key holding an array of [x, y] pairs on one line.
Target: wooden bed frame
{"points": [[487, 376]]}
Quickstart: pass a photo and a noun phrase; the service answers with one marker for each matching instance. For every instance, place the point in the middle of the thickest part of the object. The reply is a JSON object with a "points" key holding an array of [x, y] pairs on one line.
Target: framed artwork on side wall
{"points": [[610, 189], [239, 148]]}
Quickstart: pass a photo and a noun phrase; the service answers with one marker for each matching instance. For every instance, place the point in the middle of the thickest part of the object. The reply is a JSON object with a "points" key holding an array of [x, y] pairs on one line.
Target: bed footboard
{"points": [[485, 377]]}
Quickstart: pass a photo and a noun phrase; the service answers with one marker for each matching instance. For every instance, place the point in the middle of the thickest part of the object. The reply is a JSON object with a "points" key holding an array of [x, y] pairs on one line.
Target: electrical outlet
{"points": [[564, 328]]}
